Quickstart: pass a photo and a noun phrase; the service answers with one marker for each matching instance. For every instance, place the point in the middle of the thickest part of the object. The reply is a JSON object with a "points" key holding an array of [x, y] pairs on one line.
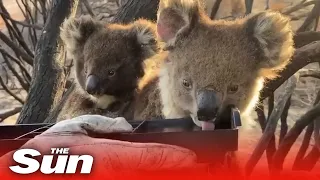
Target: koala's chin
{"points": [[103, 101]]}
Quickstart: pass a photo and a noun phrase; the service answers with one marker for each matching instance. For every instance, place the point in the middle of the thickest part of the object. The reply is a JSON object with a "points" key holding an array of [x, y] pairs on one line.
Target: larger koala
{"points": [[108, 62], [211, 64]]}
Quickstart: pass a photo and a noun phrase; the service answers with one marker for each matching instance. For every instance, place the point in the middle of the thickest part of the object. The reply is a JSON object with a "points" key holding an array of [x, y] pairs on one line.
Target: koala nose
{"points": [[208, 105], [92, 84]]}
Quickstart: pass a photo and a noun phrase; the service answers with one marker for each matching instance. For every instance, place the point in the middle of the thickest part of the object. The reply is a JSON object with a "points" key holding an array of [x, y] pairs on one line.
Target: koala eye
{"points": [[186, 84], [111, 73], [232, 89]]}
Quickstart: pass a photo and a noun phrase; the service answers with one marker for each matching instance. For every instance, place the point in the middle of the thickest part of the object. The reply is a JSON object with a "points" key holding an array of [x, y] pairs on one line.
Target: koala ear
{"points": [[175, 18], [145, 32], [75, 31], [273, 34]]}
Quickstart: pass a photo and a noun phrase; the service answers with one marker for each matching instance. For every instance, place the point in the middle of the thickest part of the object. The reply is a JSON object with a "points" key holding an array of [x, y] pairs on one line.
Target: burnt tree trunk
{"points": [[48, 74], [134, 9]]}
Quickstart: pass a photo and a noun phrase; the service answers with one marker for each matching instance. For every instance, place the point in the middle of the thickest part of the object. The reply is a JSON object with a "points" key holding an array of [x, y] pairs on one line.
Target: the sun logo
{"points": [[65, 164]]}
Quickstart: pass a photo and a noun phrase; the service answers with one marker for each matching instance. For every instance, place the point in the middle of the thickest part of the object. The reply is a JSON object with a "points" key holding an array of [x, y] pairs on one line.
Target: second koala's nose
{"points": [[92, 84], [208, 104]]}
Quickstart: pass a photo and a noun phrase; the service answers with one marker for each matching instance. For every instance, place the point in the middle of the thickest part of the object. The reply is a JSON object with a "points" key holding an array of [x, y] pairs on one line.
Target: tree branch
{"points": [[134, 10], [215, 9], [16, 49], [15, 73], [304, 38], [249, 4], [9, 113], [303, 56], [35, 26], [284, 117], [17, 32], [316, 133], [10, 92], [88, 7], [310, 160], [303, 148], [315, 12], [22, 67], [292, 135], [297, 7], [48, 77], [310, 73], [271, 125]]}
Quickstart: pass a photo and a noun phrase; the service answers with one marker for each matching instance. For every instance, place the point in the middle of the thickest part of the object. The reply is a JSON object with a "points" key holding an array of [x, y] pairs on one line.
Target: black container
{"points": [[210, 145]]}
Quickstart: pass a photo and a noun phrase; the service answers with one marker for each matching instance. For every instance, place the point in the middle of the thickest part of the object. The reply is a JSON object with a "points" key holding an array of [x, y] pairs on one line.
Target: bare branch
{"points": [[30, 19], [314, 14], [4, 86], [261, 116], [303, 148], [310, 73], [16, 49], [271, 125], [17, 32], [263, 121], [9, 113], [316, 23], [21, 9], [88, 7], [299, 16], [215, 9], [301, 163], [284, 117], [267, 4], [316, 132], [249, 4], [21, 66], [303, 56], [304, 38], [35, 26], [310, 160], [270, 104], [15, 73], [297, 7], [292, 135], [130, 10], [272, 144]]}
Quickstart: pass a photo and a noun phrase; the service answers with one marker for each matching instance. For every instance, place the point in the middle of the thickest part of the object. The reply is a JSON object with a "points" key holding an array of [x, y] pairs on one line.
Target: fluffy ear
{"points": [[75, 31], [273, 34], [175, 18], [145, 32]]}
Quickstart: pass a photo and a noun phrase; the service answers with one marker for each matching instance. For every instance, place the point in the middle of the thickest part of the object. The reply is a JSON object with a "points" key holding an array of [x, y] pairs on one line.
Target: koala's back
{"points": [[147, 104]]}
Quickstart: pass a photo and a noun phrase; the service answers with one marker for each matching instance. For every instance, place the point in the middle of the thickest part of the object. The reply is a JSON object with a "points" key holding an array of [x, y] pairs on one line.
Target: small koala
{"points": [[109, 62], [209, 65]]}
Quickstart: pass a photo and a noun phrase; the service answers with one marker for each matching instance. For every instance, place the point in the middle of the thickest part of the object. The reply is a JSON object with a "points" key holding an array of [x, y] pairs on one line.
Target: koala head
{"points": [[108, 57], [214, 64]]}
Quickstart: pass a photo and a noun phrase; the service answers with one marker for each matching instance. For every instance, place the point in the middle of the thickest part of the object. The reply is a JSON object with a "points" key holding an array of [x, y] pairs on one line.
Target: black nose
{"points": [[92, 84], [208, 105]]}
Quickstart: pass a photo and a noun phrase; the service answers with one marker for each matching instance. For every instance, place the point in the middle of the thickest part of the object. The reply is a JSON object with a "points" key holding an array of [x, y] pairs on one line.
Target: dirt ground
{"points": [[250, 133]]}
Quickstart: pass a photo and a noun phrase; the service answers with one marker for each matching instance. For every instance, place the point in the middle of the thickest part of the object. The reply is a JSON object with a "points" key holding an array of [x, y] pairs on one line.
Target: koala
{"points": [[109, 62], [210, 65]]}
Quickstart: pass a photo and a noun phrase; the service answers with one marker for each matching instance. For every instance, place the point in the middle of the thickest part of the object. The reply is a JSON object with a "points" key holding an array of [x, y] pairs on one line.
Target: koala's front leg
{"points": [[77, 104]]}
